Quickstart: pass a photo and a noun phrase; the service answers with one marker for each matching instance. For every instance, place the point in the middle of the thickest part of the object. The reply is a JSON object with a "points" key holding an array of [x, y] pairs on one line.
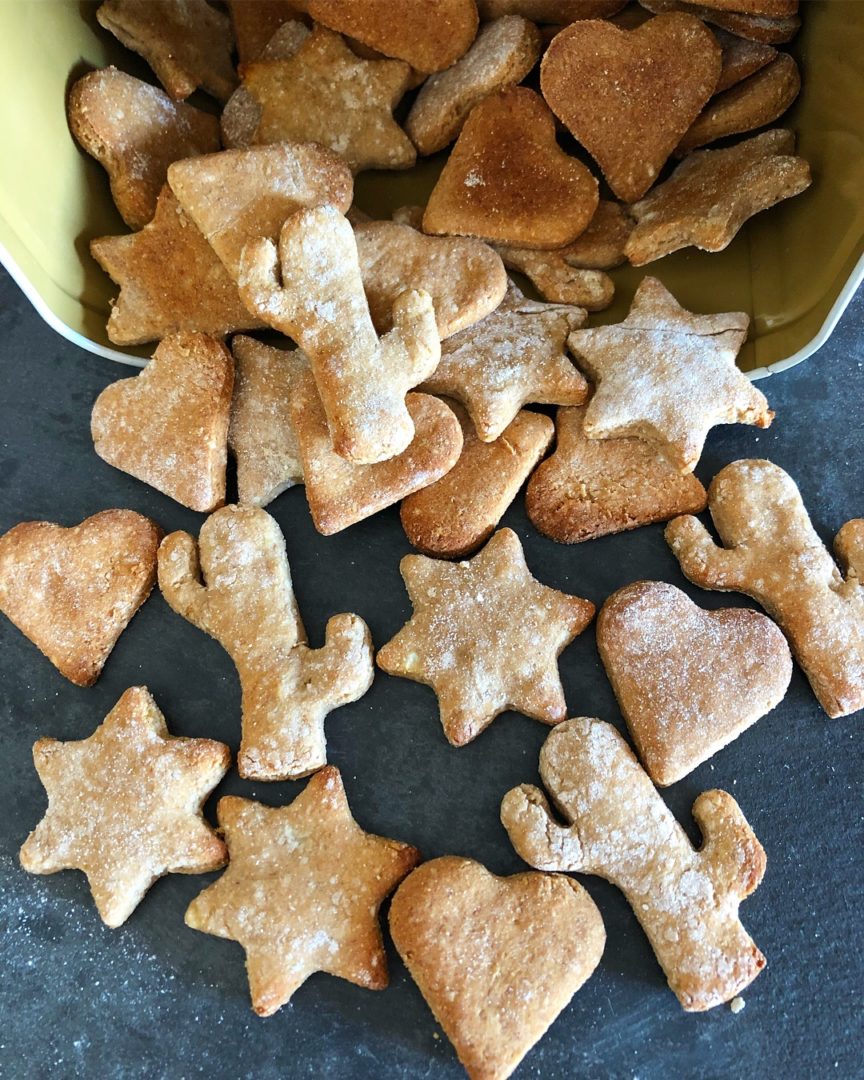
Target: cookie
{"points": [[302, 891], [506, 154], [712, 193], [124, 806], [572, 274], [240, 195], [72, 591], [340, 493], [486, 636], [667, 375], [688, 681], [496, 958], [320, 303], [261, 435], [619, 828], [629, 96], [465, 278], [135, 131], [740, 59], [235, 585], [762, 28], [774, 9], [168, 426], [455, 515], [324, 93], [772, 552], [751, 103], [516, 355], [430, 36], [171, 281], [254, 23], [187, 42], [503, 53], [561, 12], [593, 487]]}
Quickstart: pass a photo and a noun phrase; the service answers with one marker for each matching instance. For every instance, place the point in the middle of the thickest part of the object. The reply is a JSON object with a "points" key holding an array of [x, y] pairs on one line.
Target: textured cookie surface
{"points": [[486, 636], [496, 959], [168, 426], [302, 891], [124, 806], [505, 155], [688, 681], [72, 591], [593, 487]]}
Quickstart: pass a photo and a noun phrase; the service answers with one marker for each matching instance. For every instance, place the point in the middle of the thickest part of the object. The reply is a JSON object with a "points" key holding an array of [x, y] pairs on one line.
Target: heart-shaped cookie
{"points": [[73, 591], [496, 959], [508, 181], [688, 681], [169, 425], [629, 96]]}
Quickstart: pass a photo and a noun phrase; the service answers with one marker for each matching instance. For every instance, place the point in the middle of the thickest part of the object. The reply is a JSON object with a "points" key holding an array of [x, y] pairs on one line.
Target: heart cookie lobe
{"points": [[496, 959], [688, 681], [629, 96]]}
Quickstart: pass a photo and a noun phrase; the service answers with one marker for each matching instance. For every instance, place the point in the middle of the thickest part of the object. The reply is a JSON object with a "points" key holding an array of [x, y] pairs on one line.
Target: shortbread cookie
{"points": [[430, 36], [762, 28], [135, 131], [341, 493], [168, 426], [242, 113], [558, 12], [516, 355], [324, 93], [667, 375], [774, 9], [593, 487], [72, 591], [261, 434], [235, 585], [741, 58], [502, 55], [171, 281], [256, 21], [486, 636], [465, 278], [712, 193], [455, 515], [750, 104], [688, 681], [302, 891], [124, 806], [773, 553], [241, 195], [630, 95], [187, 42], [505, 155], [496, 958], [619, 828], [320, 303]]}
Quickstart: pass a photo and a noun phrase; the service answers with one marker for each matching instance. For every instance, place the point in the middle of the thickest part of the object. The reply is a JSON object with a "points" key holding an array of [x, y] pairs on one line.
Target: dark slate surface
{"points": [[157, 999]]}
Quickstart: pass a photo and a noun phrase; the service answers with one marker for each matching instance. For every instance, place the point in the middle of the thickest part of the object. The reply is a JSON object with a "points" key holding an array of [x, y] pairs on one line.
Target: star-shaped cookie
{"points": [[516, 355], [667, 375], [712, 193], [486, 636], [124, 806], [326, 94], [302, 891]]}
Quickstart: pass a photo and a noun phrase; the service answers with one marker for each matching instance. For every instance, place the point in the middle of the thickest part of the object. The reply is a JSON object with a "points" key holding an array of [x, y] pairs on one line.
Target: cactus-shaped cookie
{"points": [[320, 303], [619, 828], [773, 553], [235, 584]]}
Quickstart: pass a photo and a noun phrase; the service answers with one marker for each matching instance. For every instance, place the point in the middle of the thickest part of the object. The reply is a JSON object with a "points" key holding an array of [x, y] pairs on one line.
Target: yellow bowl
{"points": [[793, 268]]}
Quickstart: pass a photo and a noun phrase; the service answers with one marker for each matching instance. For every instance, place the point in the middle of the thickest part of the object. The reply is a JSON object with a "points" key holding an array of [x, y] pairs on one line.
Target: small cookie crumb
{"points": [[737, 1004]]}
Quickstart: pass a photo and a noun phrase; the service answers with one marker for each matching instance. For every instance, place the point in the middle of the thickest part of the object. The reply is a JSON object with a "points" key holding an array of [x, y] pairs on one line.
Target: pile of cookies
{"points": [[414, 358]]}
